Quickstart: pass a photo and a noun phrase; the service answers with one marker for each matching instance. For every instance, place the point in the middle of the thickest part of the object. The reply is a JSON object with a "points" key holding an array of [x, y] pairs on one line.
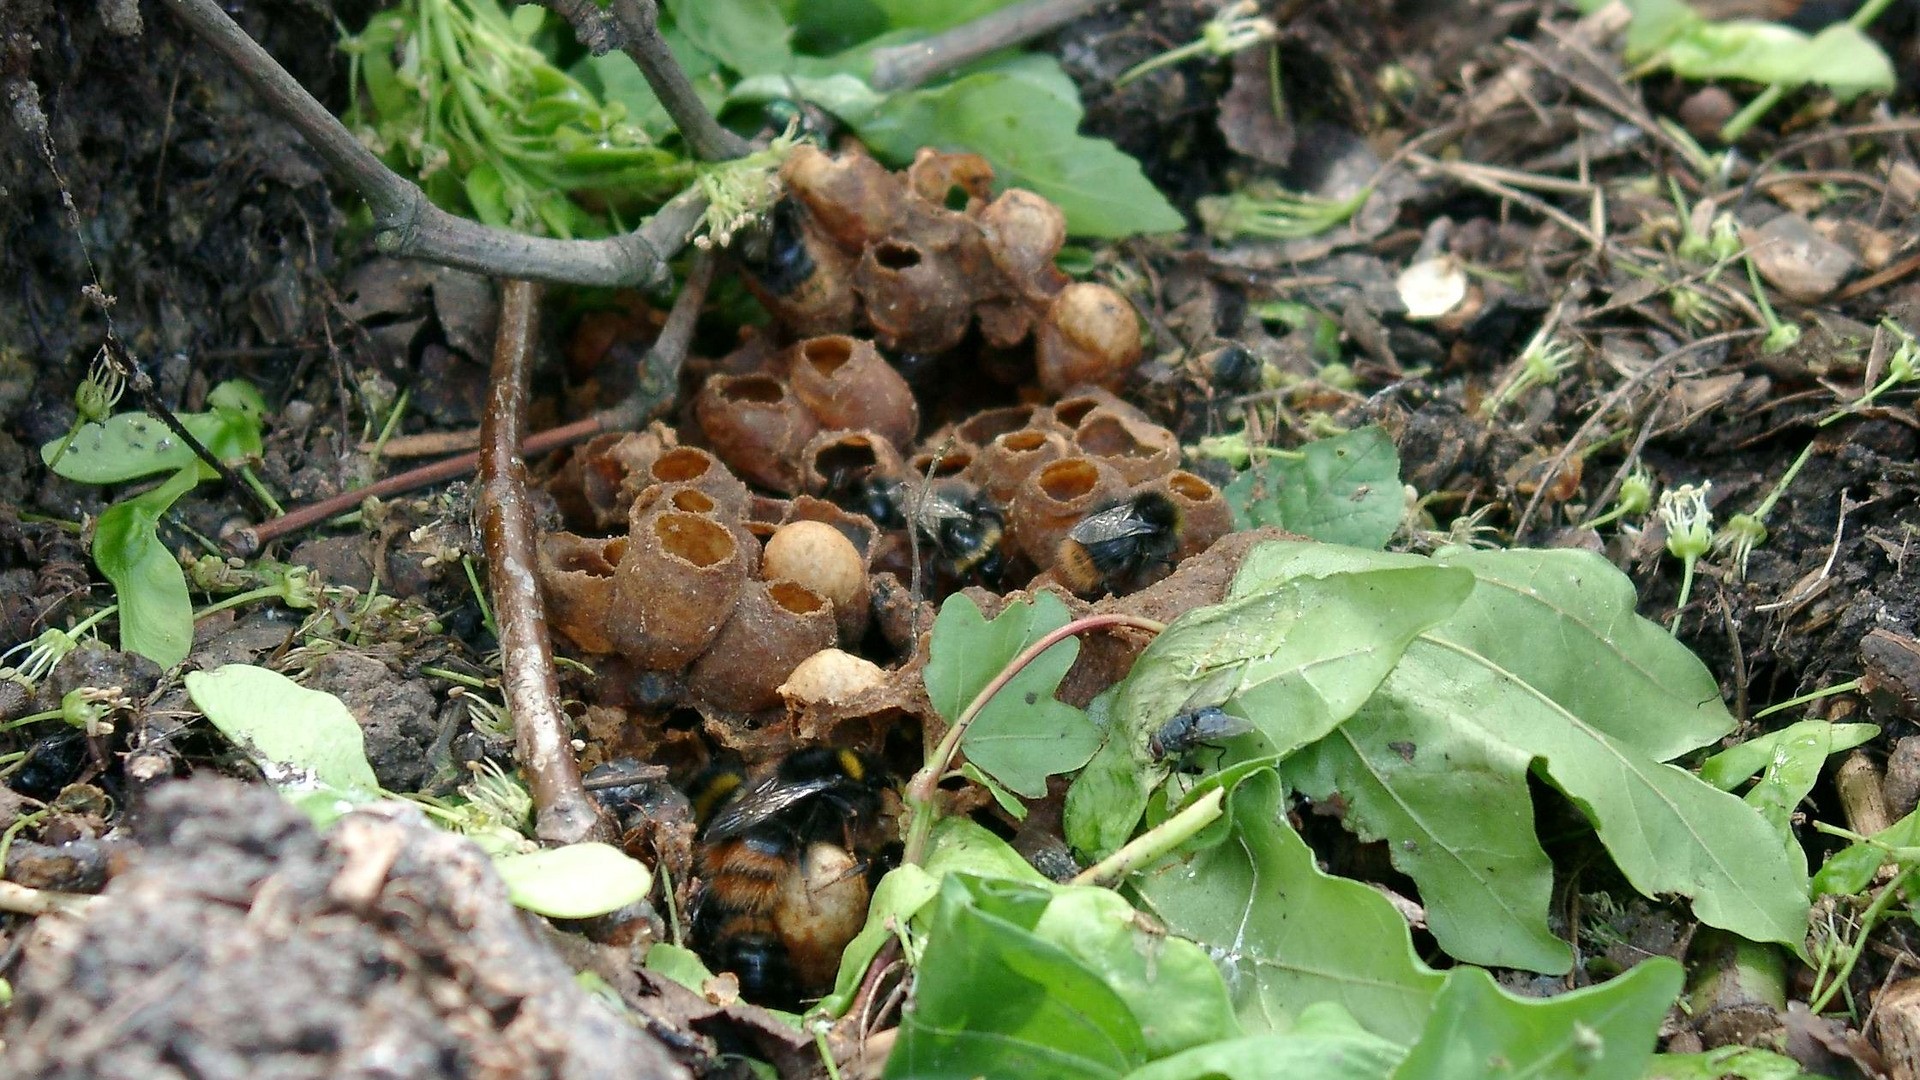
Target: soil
{"points": [[135, 167]]}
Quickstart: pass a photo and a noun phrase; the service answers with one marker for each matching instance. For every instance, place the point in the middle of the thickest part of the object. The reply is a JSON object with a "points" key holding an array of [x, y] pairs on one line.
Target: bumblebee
{"points": [[782, 892], [1110, 550], [953, 517]]}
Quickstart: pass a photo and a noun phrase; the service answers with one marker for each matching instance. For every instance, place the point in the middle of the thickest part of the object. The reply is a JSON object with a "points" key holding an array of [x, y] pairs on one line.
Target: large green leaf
{"points": [[578, 881], [1296, 660], [1480, 1032], [749, 36], [1285, 934], [1024, 117], [1546, 665], [993, 999]]}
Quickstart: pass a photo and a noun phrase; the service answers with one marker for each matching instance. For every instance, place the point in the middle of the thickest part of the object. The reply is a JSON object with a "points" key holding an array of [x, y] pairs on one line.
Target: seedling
{"points": [[1541, 363], [45, 652], [1780, 335], [1636, 497], [84, 708], [1903, 367], [1232, 28], [1689, 524], [1265, 209]]}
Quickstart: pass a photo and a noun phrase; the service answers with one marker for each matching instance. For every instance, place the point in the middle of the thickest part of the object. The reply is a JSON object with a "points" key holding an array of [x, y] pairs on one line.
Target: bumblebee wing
{"points": [[1215, 688], [763, 802], [1113, 523]]}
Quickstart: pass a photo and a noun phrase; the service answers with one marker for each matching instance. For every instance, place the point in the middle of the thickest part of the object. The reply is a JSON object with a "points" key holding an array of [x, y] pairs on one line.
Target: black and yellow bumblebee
{"points": [[782, 889], [953, 517], [1114, 548]]}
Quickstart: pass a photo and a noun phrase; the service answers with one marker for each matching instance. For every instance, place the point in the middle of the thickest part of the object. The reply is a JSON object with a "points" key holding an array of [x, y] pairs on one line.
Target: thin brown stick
{"points": [[564, 813], [903, 67], [657, 383], [247, 541], [410, 225]]}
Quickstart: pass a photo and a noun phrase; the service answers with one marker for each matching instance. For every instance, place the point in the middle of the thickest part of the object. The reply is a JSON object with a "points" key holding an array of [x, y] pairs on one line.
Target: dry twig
{"points": [[564, 813]]}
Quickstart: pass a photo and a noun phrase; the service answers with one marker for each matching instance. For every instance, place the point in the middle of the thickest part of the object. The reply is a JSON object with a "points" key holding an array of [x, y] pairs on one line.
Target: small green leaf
{"points": [[683, 966], [131, 445], [1024, 734], [1840, 58], [304, 741], [156, 612], [1285, 934], [1852, 868], [578, 881], [1478, 1031], [1726, 1063], [1342, 490], [1024, 118], [1736, 765]]}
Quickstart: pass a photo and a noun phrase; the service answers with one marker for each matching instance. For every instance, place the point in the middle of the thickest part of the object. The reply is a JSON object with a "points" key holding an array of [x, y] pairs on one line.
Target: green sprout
{"points": [[1902, 368], [84, 708], [93, 399], [1267, 210], [45, 652], [1689, 525], [1695, 308], [1780, 335], [1636, 497], [457, 92], [1233, 28], [1541, 363], [291, 585]]}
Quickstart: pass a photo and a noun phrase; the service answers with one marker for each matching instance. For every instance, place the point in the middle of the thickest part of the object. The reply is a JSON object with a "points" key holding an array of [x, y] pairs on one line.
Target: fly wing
{"points": [[763, 802]]}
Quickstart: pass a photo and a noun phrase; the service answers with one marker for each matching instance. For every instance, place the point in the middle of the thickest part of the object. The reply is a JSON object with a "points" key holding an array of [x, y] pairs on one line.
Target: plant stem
{"points": [[564, 813], [1155, 842], [925, 785], [1847, 687], [1768, 98]]}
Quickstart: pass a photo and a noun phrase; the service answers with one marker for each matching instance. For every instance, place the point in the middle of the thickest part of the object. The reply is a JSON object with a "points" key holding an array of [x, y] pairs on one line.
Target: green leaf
{"points": [[847, 97], [1295, 659], [305, 742], [1852, 868], [993, 999], [617, 78], [1811, 739], [1792, 758], [1170, 984], [1286, 935], [683, 966], [1840, 58], [1024, 117], [1024, 734], [1595, 712], [1726, 1063], [156, 612], [1343, 490], [577, 881], [1325, 1043], [921, 15], [749, 36], [957, 845], [131, 445], [1480, 1032]]}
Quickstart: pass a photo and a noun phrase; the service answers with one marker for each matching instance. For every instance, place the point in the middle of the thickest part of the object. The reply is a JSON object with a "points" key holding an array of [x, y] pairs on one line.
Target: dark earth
{"points": [[144, 191]]}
